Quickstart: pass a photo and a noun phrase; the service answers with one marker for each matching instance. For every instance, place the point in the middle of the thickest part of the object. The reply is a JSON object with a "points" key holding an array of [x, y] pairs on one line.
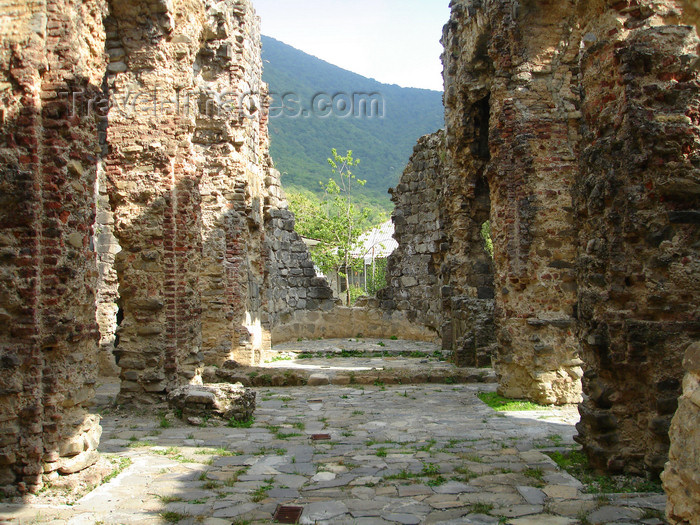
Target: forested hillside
{"points": [[301, 143]]}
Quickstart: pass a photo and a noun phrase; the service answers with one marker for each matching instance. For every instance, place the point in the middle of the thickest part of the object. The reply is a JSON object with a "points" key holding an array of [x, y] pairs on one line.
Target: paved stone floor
{"points": [[398, 454]]}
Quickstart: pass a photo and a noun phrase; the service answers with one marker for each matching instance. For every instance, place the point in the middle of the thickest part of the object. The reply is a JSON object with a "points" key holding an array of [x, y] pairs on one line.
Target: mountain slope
{"points": [[301, 144]]}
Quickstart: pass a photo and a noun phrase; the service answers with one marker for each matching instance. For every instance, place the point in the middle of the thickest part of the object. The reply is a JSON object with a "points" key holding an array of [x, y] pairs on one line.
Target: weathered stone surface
{"points": [[322, 510], [681, 478], [342, 322], [638, 149], [224, 400], [435, 274], [48, 334], [584, 159], [77, 463], [511, 141], [318, 379], [209, 255]]}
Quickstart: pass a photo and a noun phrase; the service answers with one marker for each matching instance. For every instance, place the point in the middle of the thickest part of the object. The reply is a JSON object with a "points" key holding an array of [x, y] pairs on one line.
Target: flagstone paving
{"points": [[432, 454]]}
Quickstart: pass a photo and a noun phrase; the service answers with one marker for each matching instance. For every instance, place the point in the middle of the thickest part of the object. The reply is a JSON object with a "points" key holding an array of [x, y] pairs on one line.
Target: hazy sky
{"points": [[393, 41]]}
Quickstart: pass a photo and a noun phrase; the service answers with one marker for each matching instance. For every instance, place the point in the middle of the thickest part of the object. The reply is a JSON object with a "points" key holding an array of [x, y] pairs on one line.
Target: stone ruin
{"points": [[135, 165], [134, 133], [574, 128]]}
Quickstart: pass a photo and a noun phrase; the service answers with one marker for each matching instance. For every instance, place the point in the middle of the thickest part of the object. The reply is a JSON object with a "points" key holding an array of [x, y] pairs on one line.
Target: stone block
{"points": [[222, 400], [318, 380], [691, 361], [72, 447], [77, 463]]}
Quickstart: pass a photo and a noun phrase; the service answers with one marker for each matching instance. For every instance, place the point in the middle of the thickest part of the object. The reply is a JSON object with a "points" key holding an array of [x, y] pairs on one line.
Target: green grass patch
{"points": [[426, 448], [231, 481], [537, 475], [173, 517], [431, 469], [217, 452], [436, 482], [576, 463], [120, 464], [277, 358], [465, 474], [480, 508], [244, 423], [170, 451], [503, 404], [260, 493], [169, 499], [402, 475]]}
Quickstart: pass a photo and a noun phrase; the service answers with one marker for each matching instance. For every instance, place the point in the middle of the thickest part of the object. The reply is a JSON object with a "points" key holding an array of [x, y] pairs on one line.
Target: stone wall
{"points": [[107, 291], [209, 259], [441, 276], [681, 477], [636, 200], [368, 320], [48, 334], [186, 183], [153, 184], [573, 126], [139, 125], [292, 283]]}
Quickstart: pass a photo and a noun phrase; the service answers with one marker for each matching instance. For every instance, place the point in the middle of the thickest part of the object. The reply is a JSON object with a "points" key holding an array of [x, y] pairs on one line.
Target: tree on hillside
{"points": [[336, 221]]}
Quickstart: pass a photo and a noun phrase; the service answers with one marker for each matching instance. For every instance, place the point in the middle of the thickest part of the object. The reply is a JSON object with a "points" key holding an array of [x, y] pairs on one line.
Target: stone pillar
{"points": [[637, 204], [51, 66], [231, 147], [681, 477], [194, 194], [511, 119], [153, 188]]}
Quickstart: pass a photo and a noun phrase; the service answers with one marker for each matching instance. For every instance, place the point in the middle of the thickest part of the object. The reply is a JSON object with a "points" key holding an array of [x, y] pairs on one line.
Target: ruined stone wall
{"points": [[292, 283], [186, 171], [293, 289], [153, 188], [139, 125], [512, 135], [636, 204], [573, 127], [48, 334], [413, 268], [367, 320], [209, 259], [440, 276]]}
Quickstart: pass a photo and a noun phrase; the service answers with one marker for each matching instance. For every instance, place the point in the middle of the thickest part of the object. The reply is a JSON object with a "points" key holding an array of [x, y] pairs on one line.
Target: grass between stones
{"points": [[216, 452], [244, 423], [173, 517], [576, 463], [503, 404]]}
